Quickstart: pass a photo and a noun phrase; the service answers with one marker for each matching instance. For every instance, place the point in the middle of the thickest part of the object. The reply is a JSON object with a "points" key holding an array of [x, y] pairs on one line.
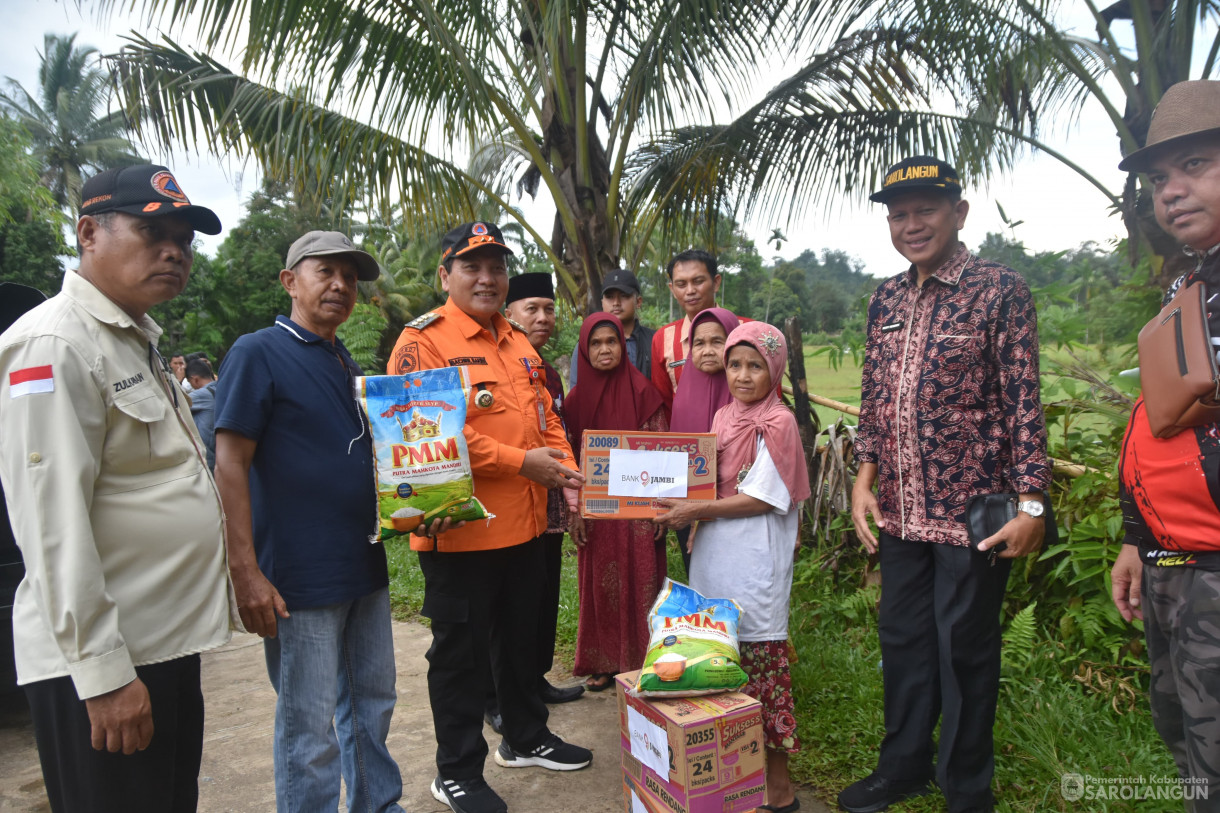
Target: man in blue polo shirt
{"points": [[294, 467]]}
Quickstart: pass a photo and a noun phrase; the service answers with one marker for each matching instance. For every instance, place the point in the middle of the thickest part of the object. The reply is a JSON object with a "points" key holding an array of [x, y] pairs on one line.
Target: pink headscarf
{"points": [[700, 395], [737, 426]]}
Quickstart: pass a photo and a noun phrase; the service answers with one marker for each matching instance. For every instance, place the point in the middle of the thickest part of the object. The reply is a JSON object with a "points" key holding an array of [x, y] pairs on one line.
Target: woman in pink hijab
{"points": [[747, 538], [702, 389]]}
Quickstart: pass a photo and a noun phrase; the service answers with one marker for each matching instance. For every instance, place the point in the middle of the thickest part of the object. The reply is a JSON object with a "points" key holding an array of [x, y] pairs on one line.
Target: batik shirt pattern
{"points": [[950, 404]]}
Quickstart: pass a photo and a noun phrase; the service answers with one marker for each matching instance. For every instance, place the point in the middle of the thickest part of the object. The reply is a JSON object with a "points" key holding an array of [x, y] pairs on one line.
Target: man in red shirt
{"points": [[694, 281]]}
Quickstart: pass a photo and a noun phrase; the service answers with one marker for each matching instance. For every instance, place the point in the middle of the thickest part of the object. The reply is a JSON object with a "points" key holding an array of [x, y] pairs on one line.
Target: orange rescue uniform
{"points": [[507, 370]]}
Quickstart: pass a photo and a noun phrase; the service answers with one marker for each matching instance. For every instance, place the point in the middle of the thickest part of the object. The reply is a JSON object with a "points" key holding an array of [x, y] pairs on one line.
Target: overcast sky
{"points": [[1059, 209]]}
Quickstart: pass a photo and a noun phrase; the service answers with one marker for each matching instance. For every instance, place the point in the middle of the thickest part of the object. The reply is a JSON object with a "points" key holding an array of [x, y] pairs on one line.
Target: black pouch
{"points": [[988, 513]]}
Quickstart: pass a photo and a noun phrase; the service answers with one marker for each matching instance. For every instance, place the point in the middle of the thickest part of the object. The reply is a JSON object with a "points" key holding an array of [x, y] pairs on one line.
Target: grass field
{"points": [[841, 384]]}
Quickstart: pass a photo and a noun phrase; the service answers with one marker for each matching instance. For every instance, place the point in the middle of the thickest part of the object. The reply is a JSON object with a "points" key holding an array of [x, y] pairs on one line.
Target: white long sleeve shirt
{"points": [[111, 503]]}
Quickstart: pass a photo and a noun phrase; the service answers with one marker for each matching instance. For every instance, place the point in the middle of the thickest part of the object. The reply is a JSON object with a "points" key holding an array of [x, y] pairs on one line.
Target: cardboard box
{"points": [[714, 752], [644, 792], [596, 501]]}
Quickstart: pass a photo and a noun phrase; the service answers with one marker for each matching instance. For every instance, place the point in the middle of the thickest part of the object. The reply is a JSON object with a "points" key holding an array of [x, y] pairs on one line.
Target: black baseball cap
{"points": [[470, 236], [621, 280], [144, 190], [919, 172]]}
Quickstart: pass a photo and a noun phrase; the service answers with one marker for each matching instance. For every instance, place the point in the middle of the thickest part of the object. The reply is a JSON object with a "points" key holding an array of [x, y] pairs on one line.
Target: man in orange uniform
{"points": [[694, 281], [483, 582]]}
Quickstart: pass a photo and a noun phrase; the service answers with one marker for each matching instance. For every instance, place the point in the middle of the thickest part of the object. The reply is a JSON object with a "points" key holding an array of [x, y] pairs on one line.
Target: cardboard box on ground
{"points": [[601, 499], [715, 760]]}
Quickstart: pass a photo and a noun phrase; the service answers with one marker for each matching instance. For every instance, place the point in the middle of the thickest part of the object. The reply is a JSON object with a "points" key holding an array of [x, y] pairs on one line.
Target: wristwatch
{"points": [[1034, 508]]}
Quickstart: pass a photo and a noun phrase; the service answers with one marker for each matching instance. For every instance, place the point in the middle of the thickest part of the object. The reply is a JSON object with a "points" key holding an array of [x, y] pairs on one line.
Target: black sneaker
{"points": [[875, 792], [467, 796], [554, 754]]}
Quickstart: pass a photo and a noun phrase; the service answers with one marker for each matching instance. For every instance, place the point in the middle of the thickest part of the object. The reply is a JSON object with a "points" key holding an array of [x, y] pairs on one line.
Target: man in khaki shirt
{"points": [[115, 513]]}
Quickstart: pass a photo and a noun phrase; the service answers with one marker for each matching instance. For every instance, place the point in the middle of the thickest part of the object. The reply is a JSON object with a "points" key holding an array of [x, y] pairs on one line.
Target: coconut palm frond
{"points": [[175, 95]]}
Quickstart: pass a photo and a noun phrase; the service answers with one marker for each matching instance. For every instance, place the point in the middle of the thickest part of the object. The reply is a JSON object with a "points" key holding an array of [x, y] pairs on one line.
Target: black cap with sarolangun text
{"points": [[919, 172], [144, 190]]}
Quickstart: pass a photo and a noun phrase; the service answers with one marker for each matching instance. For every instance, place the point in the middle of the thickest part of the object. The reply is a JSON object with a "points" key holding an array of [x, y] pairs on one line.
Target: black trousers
{"points": [[548, 615], [940, 649], [163, 778], [484, 610]]}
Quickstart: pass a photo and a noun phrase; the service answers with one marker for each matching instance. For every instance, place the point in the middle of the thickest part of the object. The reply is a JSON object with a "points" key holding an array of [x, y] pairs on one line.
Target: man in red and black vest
{"points": [[1170, 487]]}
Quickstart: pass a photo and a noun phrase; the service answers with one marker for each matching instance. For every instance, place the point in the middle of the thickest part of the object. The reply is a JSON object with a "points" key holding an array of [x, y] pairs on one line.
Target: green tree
{"points": [[775, 301], [591, 101], [1086, 295], [238, 291], [72, 134], [741, 267], [361, 334], [31, 226], [827, 309]]}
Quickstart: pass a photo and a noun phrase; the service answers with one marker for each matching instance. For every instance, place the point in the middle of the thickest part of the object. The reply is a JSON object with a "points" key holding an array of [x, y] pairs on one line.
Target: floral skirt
{"points": [[766, 664]]}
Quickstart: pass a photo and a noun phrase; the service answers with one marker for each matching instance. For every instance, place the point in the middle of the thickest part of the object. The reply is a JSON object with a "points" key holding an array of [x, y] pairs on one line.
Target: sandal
{"points": [[599, 682], [789, 808]]}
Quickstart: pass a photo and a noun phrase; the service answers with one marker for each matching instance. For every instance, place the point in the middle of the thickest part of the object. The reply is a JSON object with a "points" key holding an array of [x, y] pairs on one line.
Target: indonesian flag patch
{"points": [[30, 380]]}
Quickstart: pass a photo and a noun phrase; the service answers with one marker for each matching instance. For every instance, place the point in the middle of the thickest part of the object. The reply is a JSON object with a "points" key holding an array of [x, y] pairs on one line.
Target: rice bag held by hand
{"points": [[423, 466]]}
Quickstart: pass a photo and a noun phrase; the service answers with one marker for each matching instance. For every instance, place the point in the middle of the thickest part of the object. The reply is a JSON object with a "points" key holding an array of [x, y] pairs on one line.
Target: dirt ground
{"points": [[236, 774]]}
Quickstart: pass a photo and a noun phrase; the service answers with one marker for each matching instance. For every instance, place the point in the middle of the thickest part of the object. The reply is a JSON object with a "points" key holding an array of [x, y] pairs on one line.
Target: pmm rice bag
{"points": [[693, 645], [423, 467]]}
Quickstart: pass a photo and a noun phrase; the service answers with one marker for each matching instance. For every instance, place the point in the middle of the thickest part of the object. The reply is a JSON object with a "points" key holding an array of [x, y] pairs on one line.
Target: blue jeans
{"points": [[333, 671]]}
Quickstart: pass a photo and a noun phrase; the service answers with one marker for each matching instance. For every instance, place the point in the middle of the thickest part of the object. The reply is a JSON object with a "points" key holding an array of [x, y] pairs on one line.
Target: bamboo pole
{"points": [[1064, 467], [806, 417]]}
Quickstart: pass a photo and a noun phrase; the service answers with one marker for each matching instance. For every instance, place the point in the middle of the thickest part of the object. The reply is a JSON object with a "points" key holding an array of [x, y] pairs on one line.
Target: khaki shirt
{"points": [[111, 502]]}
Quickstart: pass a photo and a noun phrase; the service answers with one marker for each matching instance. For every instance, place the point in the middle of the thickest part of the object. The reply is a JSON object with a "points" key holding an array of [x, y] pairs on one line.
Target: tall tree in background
{"points": [[1138, 49], [1029, 83], [31, 225], [590, 100], [72, 133]]}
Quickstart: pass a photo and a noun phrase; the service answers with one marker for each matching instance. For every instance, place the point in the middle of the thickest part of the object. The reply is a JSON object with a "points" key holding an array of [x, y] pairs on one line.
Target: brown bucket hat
{"points": [[1187, 109]]}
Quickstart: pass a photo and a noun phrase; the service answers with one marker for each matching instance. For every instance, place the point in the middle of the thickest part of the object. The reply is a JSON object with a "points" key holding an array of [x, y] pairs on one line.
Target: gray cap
{"points": [[325, 243]]}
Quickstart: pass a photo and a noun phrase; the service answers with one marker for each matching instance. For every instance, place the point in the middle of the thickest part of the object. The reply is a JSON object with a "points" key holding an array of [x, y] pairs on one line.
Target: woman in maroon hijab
{"points": [[621, 562]]}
